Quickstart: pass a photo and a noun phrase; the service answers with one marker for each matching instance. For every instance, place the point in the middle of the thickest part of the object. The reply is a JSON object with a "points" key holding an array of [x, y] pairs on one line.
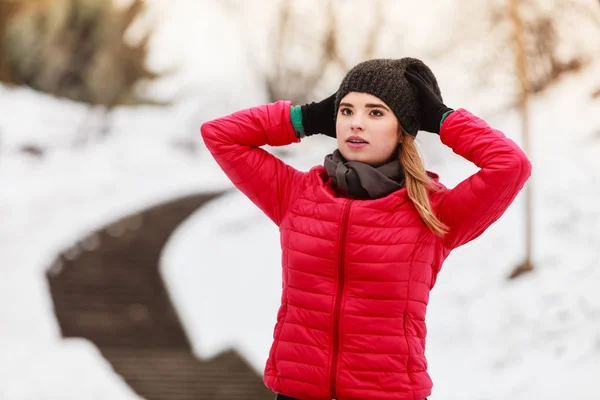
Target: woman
{"points": [[364, 235]]}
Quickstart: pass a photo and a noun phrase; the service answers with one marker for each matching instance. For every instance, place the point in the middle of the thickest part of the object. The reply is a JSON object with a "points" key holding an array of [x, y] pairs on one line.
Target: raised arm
{"points": [[234, 141], [475, 203]]}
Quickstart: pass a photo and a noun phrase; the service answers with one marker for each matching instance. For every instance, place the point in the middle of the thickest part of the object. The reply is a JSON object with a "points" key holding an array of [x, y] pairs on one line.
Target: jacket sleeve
{"points": [[478, 201], [234, 142]]}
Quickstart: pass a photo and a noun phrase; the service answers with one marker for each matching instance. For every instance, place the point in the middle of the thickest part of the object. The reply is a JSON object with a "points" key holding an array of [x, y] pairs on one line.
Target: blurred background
{"points": [[131, 268]]}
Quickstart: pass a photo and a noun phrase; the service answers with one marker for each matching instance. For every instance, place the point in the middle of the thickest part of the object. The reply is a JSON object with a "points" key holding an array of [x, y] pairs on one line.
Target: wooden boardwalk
{"points": [[108, 289]]}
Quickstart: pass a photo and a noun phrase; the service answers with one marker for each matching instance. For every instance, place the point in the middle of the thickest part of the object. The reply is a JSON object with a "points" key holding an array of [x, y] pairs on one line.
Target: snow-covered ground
{"points": [[537, 337]]}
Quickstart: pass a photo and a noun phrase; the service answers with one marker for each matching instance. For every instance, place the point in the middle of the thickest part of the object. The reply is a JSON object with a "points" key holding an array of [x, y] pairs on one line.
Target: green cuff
{"points": [[444, 117], [296, 119]]}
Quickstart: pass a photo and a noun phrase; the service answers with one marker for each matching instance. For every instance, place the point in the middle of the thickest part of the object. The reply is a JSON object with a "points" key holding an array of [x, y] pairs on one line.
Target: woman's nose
{"points": [[356, 123]]}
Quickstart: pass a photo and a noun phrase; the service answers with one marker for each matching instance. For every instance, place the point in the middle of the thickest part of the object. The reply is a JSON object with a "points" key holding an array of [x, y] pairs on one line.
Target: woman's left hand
{"points": [[432, 107]]}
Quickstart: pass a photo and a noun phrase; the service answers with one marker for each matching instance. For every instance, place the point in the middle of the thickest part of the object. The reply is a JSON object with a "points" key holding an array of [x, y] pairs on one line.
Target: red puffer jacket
{"points": [[357, 273]]}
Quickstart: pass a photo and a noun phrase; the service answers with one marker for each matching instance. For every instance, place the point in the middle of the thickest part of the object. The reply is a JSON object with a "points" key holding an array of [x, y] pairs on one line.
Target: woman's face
{"points": [[366, 128]]}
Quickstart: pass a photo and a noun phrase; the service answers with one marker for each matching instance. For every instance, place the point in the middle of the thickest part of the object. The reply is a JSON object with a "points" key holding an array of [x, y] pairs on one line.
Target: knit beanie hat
{"points": [[384, 78]]}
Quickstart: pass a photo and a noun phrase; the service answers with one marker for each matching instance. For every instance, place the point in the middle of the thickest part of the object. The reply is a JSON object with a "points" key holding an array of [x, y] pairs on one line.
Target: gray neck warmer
{"points": [[363, 181]]}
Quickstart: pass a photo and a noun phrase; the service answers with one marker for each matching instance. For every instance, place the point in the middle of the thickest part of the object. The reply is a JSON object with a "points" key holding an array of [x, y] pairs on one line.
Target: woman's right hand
{"points": [[319, 117]]}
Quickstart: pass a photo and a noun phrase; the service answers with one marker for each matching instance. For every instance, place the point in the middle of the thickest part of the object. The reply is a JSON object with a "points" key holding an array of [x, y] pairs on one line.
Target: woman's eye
{"points": [[346, 111], [376, 113]]}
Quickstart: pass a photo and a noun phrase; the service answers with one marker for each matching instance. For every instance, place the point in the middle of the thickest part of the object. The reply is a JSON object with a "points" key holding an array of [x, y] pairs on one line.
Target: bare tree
{"points": [[538, 65], [527, 38], [541, 41], [298, 81]]}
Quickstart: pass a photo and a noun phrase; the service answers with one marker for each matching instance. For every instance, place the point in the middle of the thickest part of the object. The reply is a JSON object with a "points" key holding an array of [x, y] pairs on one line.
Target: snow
{"points": [[68, 370], [489, 338]]}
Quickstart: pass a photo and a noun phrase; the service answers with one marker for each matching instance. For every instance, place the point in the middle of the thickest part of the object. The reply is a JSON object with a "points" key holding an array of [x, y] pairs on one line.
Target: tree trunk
{"points": [[523, 82]]}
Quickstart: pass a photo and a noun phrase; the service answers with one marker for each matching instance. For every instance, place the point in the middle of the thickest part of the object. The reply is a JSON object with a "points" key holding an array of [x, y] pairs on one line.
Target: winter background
{"points": [[489, 338]]}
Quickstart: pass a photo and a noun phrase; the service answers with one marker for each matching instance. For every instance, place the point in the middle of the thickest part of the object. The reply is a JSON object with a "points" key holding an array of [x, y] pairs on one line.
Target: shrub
{"points": [[77, 49]]}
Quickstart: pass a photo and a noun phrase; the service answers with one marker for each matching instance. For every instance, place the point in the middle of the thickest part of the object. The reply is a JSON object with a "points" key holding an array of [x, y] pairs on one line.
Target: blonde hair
{"points": [[418, 184]]}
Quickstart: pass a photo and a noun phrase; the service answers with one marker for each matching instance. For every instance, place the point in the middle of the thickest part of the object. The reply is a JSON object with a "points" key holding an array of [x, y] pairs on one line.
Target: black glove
{"points": [[319, 117], [432, 107]]}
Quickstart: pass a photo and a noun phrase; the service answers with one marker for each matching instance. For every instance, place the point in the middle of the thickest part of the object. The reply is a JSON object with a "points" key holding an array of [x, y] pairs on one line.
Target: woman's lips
{"points": [[356, 142], [357, 146]]}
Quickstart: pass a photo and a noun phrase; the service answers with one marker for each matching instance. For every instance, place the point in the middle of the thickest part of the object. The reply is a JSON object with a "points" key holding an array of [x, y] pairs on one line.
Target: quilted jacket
{"points": [[357, 273]]}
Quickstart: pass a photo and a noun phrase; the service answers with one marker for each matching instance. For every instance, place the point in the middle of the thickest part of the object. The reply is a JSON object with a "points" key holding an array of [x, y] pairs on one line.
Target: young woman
{"points": [[364, 235]]}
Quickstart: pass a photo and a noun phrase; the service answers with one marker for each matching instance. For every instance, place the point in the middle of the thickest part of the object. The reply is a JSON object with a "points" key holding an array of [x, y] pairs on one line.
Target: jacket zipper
{"points": [[338, 301]]}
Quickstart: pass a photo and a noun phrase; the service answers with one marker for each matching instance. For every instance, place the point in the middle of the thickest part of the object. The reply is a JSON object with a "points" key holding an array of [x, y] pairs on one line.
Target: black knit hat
{"points": [[384, 78]]}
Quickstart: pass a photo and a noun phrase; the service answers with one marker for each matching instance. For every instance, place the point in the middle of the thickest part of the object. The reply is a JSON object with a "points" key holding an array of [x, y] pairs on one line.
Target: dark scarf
{"points": [[363, 181]]}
